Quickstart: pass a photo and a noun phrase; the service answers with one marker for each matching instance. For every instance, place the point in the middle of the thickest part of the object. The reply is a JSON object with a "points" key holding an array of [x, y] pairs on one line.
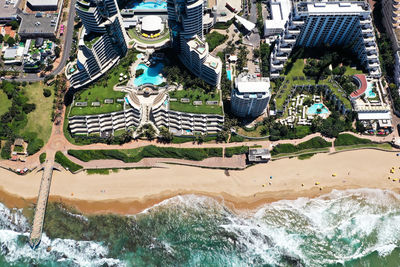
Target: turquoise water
{"points": [[313, 109], [151, 74], [229, 75], [343, 228], [369, 93], [139, 56], [148, 5]]}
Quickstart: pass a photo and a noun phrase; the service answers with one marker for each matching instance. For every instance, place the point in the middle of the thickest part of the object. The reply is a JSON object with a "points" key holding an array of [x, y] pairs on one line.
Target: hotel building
{"points": [[102, 42], [185, 19], [251, 95], [314, 24]]}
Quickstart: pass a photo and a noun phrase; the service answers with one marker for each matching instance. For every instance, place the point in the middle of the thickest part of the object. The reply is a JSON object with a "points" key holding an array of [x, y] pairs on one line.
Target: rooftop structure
{"points": [[152, 24], [279, 10], [42, 5], [333, 23], [251, 95], [38, 25], [259, 155], [8, 10]]}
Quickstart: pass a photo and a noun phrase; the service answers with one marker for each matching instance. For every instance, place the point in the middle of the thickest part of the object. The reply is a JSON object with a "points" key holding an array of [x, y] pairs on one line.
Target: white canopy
{"points": [[151, 23], [247, 24]]}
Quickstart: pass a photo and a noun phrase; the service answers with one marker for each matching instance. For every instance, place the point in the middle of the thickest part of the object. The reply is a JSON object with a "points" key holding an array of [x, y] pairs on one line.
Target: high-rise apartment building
{"points": [[185, 19], [315, 24], [102, 42], [251, 95]]}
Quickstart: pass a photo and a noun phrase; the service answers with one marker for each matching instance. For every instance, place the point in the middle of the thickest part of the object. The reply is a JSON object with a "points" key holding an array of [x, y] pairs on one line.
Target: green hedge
{"points": [[349, 139], [316, 142], [34, 146], [135, 155], [237, 150], [42, 157], [66, 163]]}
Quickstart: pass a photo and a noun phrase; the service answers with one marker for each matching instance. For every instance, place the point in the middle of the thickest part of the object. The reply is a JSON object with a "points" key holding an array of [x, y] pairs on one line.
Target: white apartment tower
{"points": [[251, 95], [185, 19], [102, 42], [334, 23]]}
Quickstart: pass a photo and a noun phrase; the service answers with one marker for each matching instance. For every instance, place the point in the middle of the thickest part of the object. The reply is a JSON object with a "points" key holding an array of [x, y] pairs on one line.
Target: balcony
{"points": [[276, 66], [281, 57], [289, 41]]}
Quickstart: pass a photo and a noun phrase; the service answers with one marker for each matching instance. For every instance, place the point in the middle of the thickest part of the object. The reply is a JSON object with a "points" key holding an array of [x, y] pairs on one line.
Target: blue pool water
{"points": [[369, 93], [229, 75], [139, 56], [151, 74], [148, 5], [313, 109]]}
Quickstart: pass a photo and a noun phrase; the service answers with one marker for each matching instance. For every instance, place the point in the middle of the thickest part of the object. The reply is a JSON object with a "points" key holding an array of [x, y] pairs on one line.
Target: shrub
{"points": [[34, 146], [66, 163], [137, 154], [46, 92], [316, 142], [348, 140], [139, 72], [238, 150], [6, 150], [42, 157]]}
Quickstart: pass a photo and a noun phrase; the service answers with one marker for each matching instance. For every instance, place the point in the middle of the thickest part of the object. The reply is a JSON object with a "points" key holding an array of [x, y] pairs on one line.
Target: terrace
{"points": [[195, 101]]}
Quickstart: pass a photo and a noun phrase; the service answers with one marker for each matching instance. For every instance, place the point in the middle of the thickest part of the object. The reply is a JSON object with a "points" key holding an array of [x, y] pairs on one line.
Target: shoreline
{"points": [[128, 192]]}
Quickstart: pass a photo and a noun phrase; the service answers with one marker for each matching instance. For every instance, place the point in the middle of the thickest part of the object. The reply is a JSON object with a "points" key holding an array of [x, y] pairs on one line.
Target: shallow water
{"points": [[343, 228]]}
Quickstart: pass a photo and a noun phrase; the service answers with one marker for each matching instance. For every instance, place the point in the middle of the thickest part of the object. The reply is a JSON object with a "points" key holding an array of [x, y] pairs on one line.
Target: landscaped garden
{"points": [[195, 95], [215, 39], [103, 89]]}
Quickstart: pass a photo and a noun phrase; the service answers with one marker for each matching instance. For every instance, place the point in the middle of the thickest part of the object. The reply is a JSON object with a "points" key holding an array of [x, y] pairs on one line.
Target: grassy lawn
{"points": [[215, 39], [5, 103], [358, 146], [351, 71], [98, 92], [195, 95], [39, 121], [296, 69], [255, 133]]}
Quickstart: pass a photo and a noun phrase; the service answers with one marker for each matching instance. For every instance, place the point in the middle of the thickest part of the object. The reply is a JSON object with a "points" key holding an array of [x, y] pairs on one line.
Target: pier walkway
{"points": [[41, 204]]}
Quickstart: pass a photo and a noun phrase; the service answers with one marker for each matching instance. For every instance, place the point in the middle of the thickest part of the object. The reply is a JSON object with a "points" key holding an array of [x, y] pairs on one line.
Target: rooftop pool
{"points": [[151, 74], [369, 93], [146, 5], [313, 110]]}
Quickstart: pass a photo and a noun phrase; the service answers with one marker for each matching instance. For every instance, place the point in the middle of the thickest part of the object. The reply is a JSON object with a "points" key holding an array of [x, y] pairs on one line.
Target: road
{"points": [[32, 77]]}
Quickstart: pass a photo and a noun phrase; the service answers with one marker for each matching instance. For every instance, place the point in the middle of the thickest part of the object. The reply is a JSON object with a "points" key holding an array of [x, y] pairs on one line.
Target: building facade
{"points": [[185, 19], [102, 42], [316, 24], [251, 96]]}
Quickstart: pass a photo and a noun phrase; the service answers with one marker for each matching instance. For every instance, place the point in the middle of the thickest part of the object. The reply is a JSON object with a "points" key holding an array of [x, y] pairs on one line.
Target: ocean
{"points": [[343, 228]]}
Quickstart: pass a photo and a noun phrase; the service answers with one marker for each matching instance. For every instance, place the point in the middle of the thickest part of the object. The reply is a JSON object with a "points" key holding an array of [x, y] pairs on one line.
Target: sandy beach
{"points": [[131, 191]]}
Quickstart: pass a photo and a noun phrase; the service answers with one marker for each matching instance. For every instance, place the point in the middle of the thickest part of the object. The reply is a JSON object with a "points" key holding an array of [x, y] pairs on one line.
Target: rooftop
{"points": [[259, 154], [8, 8], [280, 10], [31, 23], [151, 23], [333, 7], [43, 2], [248, 83]]}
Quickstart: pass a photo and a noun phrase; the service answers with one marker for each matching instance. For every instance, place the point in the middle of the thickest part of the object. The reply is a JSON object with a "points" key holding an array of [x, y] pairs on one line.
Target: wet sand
{"points": [[131, 191]]}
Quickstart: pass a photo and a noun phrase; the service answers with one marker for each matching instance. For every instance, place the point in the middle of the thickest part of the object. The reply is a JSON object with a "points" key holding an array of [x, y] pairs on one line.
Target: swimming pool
{"points": [[147, 5], [139, 56], [151, 74], [314, 109], [369, 93], [229, 75]]}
